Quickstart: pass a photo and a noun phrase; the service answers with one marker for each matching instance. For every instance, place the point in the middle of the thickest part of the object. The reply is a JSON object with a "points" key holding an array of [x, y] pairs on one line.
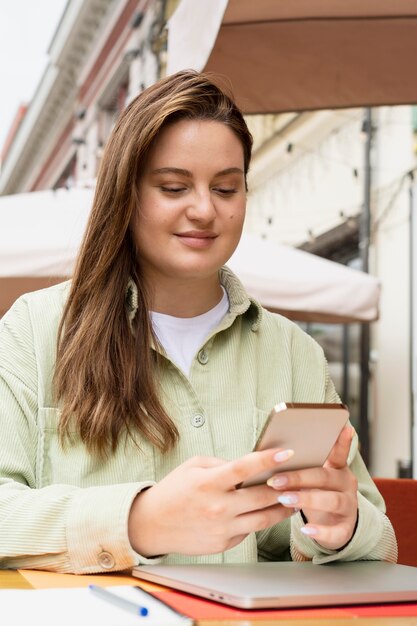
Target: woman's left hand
{"points": [[327, 496]]}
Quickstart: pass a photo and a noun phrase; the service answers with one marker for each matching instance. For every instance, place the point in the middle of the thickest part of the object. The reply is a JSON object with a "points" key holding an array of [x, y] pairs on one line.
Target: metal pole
{"points": [[346, 359], [413, 337], [364, 241]]}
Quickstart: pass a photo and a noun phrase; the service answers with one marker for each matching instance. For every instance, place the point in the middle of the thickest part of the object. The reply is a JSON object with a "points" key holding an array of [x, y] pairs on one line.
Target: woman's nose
{"points": [[201, 207]]}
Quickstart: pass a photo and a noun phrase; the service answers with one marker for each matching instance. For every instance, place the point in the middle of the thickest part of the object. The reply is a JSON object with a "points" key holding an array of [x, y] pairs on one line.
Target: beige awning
{"points": [[290, 55], [41, 233], [303, 286]]}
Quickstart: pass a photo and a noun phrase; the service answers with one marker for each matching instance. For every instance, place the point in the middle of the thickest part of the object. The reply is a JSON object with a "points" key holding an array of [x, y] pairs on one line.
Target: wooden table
{"points": [[14, 580], [10, 579]]}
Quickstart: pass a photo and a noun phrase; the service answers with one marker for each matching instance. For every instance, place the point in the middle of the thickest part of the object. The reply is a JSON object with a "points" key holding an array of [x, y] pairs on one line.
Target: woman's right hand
{"points": [[198, 509]]}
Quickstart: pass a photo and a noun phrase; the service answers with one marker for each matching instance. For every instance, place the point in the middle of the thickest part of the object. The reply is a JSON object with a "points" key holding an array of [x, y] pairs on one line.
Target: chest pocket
{"points": [[236, 430], [73, 465]]}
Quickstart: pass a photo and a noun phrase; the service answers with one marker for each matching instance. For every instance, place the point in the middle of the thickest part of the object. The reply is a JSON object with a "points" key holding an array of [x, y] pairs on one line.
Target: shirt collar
{"points": [[240, 302]]}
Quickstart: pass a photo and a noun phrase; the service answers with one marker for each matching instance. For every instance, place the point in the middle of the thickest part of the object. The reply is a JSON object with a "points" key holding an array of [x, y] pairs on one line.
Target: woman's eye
{"points": [[225, 191], [172, 189]]}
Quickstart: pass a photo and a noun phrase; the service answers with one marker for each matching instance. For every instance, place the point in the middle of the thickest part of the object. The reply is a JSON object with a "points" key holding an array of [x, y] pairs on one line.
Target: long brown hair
{"points": [[105, 377]]}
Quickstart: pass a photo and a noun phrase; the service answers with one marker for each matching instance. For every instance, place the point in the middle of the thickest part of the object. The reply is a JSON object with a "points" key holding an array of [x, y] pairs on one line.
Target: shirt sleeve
{"points": [[62, 528]]}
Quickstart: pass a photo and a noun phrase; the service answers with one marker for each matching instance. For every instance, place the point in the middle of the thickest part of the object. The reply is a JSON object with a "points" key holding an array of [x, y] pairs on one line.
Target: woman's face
{"points": [[192, 201]]}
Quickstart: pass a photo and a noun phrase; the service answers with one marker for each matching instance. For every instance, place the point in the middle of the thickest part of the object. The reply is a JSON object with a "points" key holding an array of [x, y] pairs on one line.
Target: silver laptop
{"points": [[288, 584]]}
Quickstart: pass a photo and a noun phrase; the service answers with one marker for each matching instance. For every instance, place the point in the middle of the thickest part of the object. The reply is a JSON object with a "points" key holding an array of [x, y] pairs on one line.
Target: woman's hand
{"points": [[327, 496], [198, 509]]}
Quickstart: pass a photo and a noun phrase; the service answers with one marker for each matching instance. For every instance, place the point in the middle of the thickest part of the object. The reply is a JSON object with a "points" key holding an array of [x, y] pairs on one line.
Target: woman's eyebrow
{"points": [[172, 170], [182, 172], [230, 170]]}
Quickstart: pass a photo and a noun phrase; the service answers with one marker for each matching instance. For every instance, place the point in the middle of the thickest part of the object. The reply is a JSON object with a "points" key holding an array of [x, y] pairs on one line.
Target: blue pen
{"points": [[113, 598]]}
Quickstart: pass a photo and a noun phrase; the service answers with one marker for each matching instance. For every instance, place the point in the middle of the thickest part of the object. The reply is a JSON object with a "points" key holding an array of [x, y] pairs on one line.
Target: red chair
{"points": [[400, 495]]}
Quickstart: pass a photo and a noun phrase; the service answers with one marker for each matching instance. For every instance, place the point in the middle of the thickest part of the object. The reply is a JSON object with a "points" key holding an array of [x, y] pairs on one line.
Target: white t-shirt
{"points": [[181, 337]]}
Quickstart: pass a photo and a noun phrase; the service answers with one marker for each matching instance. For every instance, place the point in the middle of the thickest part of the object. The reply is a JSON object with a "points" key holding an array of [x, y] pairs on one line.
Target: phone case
{"points": [[311, 430]]}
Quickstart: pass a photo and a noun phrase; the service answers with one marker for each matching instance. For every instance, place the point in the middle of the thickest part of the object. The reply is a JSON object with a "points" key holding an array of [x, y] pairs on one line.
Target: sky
{"points": [[26, 30]]}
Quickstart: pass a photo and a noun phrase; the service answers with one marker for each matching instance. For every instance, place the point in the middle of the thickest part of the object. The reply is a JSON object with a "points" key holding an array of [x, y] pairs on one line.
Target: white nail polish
{"points": [[277, 481], [288, 499], [283, 455], [308, 530]]}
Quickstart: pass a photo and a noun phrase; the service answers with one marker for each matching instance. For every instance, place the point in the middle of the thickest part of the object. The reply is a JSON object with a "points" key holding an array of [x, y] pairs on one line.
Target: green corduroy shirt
{"points": [[63, 510]]}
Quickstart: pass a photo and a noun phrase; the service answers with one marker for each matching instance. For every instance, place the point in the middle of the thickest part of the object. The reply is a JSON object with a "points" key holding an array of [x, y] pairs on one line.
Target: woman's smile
{"points": [[197, 239]]}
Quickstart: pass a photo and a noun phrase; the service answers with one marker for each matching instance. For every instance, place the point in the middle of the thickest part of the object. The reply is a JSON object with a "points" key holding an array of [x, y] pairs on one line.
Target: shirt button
{"points": [[106, 560], [198, 420], [202, 357]]}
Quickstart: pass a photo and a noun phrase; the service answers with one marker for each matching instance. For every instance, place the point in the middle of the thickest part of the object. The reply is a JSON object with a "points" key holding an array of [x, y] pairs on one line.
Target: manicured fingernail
{"points": [[283, 455], [277, 481], [309, 530], [289, 498]]}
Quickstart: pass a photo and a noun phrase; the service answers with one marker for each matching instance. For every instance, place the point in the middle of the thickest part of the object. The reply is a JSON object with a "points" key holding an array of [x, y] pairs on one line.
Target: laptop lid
{"points": [[289, 584]]}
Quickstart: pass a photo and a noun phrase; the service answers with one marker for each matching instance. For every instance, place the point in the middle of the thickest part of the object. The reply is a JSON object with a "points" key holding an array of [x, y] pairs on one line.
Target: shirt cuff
{"points": [[97, 536], [374, 539]]}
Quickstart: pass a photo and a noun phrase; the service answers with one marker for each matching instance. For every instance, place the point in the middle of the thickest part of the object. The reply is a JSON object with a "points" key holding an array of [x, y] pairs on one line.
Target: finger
{"points": [[252, 464], [314, 478], [259, 520], [339, 454], [330, 537], [234, 541], [333, 502], [254, 498]]}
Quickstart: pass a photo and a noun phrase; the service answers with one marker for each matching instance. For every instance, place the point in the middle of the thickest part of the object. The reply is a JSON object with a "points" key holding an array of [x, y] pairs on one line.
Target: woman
{"points": [[130, 398]]}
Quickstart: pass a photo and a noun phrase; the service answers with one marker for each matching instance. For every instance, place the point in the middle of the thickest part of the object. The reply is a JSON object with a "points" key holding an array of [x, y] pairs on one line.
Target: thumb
{"points": [[338, 456]]}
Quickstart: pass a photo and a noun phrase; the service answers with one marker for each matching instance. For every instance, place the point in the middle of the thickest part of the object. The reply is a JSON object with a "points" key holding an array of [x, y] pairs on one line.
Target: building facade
{"points": [[103, 53], [306, 189]]}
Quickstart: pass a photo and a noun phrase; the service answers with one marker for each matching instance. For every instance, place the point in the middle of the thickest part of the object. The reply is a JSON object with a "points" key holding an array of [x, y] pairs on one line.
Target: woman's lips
{"points": [[197, 239]]}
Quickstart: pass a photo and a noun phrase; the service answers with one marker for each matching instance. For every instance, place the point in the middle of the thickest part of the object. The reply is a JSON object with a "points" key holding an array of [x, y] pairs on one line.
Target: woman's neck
{"points": [[186, 298]]}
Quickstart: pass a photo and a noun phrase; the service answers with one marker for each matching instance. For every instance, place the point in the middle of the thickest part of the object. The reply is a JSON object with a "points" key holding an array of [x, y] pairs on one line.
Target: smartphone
{"points": [[311, 430]]}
